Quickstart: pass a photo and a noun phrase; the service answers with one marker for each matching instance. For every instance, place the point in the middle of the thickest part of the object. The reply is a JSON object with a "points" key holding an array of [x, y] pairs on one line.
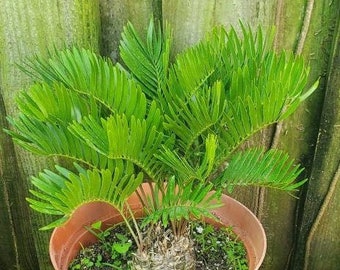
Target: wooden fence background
{"points": [[302, 234]]}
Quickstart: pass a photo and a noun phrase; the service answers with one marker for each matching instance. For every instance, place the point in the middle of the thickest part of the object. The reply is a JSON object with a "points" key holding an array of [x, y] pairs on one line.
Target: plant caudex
{"points": [[176, 124]]}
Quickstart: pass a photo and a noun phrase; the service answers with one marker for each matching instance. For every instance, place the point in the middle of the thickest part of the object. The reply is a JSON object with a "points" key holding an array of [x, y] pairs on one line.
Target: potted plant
{"points": [[174, 125]]}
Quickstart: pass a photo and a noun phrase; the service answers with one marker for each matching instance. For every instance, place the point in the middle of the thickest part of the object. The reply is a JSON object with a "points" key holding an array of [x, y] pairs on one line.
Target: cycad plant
{"points": [[176, 124]]}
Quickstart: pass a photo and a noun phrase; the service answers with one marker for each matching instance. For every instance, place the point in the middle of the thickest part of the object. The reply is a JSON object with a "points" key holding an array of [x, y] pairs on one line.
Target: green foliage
{"points": [[60, 194], [121, 247], [151, 68], [113, 250], [220, 245], [174, 124], [178, 202], [184, 170], [259, 168]]}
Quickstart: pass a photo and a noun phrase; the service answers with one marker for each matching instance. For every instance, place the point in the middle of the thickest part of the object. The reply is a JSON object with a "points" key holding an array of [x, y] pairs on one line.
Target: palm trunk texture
{"points": [[303, 233]]}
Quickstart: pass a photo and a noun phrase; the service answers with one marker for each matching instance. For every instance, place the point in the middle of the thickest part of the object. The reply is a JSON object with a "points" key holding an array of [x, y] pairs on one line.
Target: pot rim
{"points": [[232, 213]]}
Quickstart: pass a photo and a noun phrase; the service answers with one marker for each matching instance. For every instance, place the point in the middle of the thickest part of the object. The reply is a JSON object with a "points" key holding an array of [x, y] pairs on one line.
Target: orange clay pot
{"points": [[66, 241]]}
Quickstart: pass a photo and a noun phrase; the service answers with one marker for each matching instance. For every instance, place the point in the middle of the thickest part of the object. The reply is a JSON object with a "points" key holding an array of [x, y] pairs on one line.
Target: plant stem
{"points": [[138, 238]]}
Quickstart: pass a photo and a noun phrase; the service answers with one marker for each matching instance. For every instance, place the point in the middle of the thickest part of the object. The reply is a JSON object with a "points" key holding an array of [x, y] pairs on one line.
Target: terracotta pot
{"points": [[67, 240]]}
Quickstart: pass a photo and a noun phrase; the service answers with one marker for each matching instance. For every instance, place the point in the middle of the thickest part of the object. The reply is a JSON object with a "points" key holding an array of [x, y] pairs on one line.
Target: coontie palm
{"points": [[176, 123]]}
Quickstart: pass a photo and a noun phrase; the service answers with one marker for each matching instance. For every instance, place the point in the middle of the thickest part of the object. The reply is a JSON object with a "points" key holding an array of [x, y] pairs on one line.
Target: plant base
{"points": [[66, 241]]}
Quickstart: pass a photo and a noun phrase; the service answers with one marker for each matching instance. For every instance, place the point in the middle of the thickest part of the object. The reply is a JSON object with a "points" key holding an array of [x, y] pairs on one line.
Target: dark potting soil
{"points": [[215, 249]]}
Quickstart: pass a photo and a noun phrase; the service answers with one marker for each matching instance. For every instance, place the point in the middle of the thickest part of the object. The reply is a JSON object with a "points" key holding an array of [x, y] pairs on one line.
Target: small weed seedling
{"points": [[112, 246], [220, 246]]}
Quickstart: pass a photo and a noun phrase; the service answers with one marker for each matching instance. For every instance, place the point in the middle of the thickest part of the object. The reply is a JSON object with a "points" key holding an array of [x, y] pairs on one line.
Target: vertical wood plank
{"points": [[191, 19], [115, 14], [318, 246], [28, 27], [297, 135], [9, 257]]}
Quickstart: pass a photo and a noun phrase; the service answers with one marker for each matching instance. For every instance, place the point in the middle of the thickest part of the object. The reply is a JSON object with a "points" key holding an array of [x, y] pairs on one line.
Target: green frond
{"points": [[192, 70], [197, 115], [255, 167], [261, 94], [63, 192], [53, 103], [186, 172], [94, 78], [236, 49], [179, 165], [132, 139], [208, 163], [182, 202], [258, 88], [171, 124], [147, 60], [55, 140]]}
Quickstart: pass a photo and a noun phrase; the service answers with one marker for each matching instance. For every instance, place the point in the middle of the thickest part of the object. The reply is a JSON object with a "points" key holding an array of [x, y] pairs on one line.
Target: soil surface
{"points": [[215, 249]]}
